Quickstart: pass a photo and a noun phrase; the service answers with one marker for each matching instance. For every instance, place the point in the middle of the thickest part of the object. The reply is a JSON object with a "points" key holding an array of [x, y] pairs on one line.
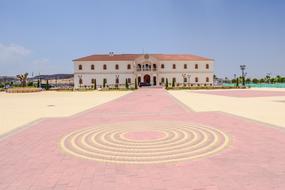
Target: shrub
{"points": [[22, 90]]}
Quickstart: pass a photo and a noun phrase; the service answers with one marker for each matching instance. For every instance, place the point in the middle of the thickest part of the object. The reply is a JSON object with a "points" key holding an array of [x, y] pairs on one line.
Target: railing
{"points": [[146, 69]]}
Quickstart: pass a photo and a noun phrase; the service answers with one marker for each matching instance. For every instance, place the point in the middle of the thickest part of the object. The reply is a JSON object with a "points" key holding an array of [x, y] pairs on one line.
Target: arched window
{"points": [[207, 79], [207, 66], [117, 67], [173, 66], [196, 66], [92, 67], [80, 67], [162, 66], [154, 67], [129, 66], [93, 81], [129, 80], [185, 66], [104, 67], [162, 80], [80, 81], [196, 79]]}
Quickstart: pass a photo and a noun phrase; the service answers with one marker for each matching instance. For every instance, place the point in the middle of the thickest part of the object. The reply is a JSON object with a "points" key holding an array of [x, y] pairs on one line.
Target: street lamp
{"points": [[242, 67]]}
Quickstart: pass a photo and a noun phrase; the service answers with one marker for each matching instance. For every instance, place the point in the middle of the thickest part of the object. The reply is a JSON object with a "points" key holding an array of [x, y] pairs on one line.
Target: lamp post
{"points": [[242, 67]]}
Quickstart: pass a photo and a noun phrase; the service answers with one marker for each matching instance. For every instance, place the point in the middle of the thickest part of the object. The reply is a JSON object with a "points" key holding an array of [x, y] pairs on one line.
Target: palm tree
{"points": [[267, 77], [242, 67], [23, 79]]}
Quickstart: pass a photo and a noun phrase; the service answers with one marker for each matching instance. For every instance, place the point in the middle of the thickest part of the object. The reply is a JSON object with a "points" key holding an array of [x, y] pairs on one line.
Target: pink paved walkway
{"points": [[255, 159], [244, 93]]}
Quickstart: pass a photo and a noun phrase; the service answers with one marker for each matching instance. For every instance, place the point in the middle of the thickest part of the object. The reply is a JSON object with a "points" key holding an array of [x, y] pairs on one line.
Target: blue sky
{"points": [[43, 36]]}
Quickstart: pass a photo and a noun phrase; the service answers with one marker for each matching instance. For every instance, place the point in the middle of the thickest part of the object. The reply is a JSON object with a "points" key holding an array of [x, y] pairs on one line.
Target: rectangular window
{"points": [[185, 66]]}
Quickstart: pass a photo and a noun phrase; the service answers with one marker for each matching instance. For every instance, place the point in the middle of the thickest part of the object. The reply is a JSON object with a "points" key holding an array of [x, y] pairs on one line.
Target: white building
{"points": [[148, 69]]}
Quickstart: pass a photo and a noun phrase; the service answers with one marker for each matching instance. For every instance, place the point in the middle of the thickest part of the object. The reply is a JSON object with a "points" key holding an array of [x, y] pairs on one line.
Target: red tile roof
{"points": [[131, 57]]}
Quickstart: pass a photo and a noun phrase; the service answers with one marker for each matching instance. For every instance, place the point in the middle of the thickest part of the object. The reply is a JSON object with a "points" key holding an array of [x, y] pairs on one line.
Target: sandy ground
{"points": [[19, 109], [265, 109]]}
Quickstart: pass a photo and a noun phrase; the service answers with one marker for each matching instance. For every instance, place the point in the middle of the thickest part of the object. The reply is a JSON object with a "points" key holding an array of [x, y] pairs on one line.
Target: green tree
{"points": [[173, 82], [95, 84], [104, 83], [267, 78], [47, 85], [278, 79], [255, 80], [248, 80], [166, 83], [30, 83], [127, 84], [136, 83], [38, 83]]}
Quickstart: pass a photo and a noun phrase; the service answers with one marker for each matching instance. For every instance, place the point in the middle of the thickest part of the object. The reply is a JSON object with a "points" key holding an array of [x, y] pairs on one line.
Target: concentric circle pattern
{"points": [[162, 142]]}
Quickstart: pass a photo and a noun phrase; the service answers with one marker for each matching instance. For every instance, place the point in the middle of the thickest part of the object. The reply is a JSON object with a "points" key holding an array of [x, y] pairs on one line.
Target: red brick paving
{"points": [[244, 93], [255, 160]]}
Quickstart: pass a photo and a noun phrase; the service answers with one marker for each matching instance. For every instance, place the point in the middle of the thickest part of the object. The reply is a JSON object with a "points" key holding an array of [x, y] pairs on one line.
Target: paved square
{"points": [[144, 140]]}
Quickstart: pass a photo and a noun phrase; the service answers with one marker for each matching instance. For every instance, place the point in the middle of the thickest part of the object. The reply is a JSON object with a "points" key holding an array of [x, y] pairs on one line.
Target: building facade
{"points": [[147, 69]]}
